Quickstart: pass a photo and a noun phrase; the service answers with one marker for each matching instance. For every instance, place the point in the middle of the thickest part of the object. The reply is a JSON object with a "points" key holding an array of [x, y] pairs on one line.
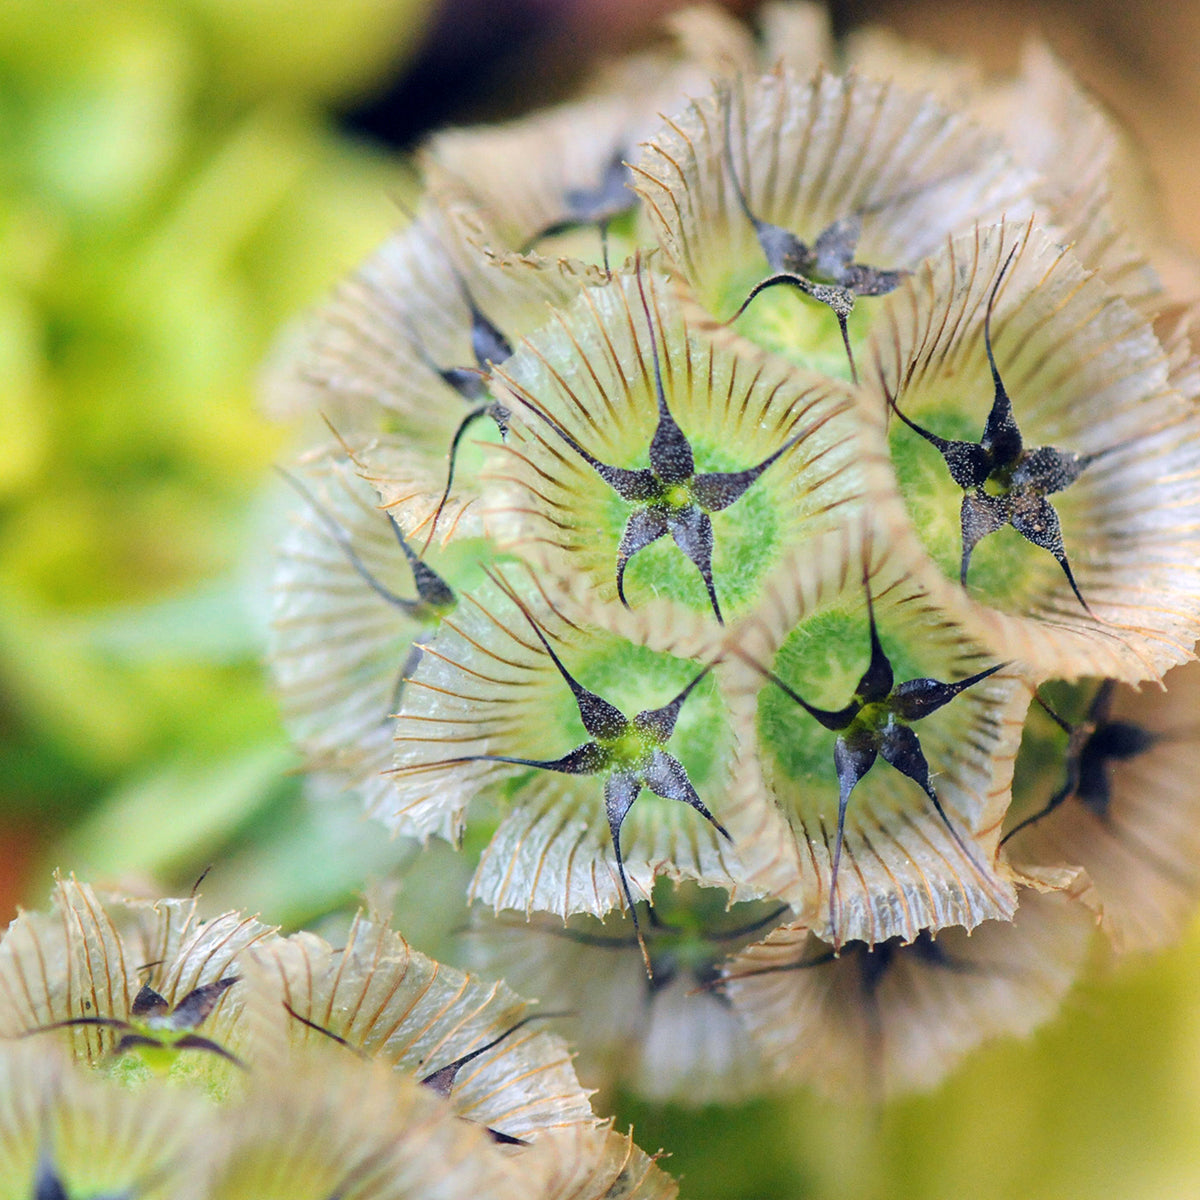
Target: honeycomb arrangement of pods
{"points": [[757, 506]]}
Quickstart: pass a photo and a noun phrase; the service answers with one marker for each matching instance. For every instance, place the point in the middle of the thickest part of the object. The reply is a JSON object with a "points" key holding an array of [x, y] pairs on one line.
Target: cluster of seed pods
{"points": [[149, 1054], [760, 498]]}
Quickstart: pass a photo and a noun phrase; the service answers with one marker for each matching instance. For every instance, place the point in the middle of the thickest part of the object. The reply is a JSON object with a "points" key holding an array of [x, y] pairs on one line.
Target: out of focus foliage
{"points": [[171, 191]]}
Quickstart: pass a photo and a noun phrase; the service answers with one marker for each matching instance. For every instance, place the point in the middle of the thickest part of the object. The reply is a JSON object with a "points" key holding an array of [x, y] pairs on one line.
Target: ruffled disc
{"points": [[519, 179], [581, 1163], [485, 685], [346, 615], [1141, 850], [90, 1135], [872, 1024], [89, 958], [369, 360], [589, 374], [669, 1038], [328, 1126], [901, 870], [391, 1003], [808, 152], [1085, 376]]}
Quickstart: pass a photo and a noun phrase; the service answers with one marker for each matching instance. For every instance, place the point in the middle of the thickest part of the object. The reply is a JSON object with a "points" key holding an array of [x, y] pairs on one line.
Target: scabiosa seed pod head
{"points": [[670, 1035], [746, 457], [875, 748], [575, 730], [875, 1021], [1064, 503], [132, 980], [1117, 806], [493, 1056]]}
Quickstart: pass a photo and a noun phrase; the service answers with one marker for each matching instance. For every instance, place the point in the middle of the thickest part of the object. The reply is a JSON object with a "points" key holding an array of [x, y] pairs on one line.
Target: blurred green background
{"points": [[178, 178]]}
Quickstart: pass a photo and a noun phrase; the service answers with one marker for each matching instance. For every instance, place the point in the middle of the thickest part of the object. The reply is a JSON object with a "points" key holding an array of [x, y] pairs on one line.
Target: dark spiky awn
{"points": [[669, 496], [489, 346], [825, 270], [155, 1025], [1004, 483], [878, 721], [599, 205], [629, 752], [443, 1079], [434, 599], [1092, 745]]}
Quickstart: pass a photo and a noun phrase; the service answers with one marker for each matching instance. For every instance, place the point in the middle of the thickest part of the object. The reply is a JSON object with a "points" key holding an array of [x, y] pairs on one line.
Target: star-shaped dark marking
{"points": [[599, 205], [1003, 482], [669, 496], [878, 721], [824, 270], [1092, 746], [443, 1079], [627, 752], [155, 1025]]}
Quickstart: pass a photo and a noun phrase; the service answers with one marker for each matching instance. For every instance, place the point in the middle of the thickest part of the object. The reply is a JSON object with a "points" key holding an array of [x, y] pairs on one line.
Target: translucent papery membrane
{"points": [[590, 374], [1132, 823], [903, 867], [576, 1162], [870, 1023], [338, 647], [1176, 330], [329, 1127], [1052, 128], [798, 35], [1087, 377], [369, 360], [486, 686], [88, 958], [809, 151], [526, 177], [1091, 185], [667, 1038], [391, 1003], [99, 1139]]}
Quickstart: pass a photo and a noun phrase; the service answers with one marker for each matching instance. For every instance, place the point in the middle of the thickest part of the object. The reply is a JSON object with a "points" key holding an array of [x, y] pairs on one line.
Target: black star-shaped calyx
{"points": [[628, 752], [155, 1025], [1004, 483], [1092, 746], [599, 205], [669, 496], [824, 270], [878, 721]]}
